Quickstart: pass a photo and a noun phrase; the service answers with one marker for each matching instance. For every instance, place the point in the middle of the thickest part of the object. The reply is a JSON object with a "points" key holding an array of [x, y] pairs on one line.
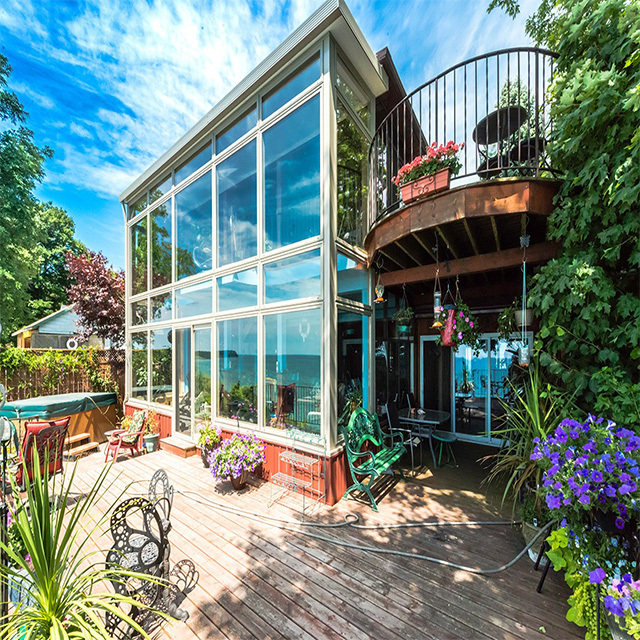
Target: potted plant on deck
{"points": [[429, 173], [151, 436], [209, 438], [235, 458]]}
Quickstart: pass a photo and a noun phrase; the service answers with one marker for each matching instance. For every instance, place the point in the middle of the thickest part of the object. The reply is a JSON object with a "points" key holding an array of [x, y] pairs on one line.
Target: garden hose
{"points": [[352, 520]]}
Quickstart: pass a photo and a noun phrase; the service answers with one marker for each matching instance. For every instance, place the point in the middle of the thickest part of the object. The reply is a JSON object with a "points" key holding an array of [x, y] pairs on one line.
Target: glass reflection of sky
{"points": [[237, 290], [295, 277], [195, 300], [292, 177]]}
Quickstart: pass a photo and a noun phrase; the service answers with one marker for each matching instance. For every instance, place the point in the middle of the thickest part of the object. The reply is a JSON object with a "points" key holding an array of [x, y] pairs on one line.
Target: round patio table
{"points": [[422, 424], [498, 125]]}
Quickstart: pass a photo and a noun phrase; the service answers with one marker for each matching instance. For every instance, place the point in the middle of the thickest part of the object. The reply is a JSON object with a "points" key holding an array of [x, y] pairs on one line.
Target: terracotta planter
{"points": [[241, 481], [426, 185]]}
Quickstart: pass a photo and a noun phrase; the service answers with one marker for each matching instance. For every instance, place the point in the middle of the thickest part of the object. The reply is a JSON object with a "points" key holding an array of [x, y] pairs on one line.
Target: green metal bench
{"points": [[364, 427]]}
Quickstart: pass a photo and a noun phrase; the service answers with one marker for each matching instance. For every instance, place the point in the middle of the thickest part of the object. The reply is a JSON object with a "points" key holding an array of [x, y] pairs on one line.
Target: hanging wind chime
{"points": [[524, 356]]}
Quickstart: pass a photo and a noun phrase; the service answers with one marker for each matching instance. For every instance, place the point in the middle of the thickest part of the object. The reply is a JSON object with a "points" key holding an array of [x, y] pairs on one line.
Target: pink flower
{"points": [[466, 319], [460, 336], [471, 324]]}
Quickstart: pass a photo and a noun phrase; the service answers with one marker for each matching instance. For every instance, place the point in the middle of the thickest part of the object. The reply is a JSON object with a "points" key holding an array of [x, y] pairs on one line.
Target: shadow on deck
{"points": [[263, 581]]}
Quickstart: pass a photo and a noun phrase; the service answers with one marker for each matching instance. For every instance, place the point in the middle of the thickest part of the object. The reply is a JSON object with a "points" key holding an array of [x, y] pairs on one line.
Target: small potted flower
{"points": [[209, 438], [403, 318], [235, 458], [429, 173], [151, 436]]}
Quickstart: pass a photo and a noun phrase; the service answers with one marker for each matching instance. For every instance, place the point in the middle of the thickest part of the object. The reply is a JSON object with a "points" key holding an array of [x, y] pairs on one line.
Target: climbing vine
{"points": [[54, 367], [588, 296]]}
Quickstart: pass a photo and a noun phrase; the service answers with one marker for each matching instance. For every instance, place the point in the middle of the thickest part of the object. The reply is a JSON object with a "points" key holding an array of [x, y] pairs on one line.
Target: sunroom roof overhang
{"points": [[331, 17]]}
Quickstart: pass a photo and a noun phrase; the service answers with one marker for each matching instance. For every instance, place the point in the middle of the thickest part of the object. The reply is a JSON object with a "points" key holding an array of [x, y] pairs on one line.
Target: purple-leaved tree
{"points": [[97, 293]]}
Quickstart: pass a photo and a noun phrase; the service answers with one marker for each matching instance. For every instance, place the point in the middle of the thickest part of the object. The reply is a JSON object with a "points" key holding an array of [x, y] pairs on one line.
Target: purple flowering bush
{"points": [[235, 455], [590, 466]]}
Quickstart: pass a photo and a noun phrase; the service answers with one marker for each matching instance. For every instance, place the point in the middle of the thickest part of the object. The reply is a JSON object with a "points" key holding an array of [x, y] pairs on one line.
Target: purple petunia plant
{"points": [[590, 466], [621, 598], [235, 455]]}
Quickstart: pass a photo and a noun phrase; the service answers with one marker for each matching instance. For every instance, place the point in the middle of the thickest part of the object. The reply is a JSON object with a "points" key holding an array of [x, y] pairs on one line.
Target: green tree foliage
{"points": [[21, 169], [48, 288], [588, 297]]}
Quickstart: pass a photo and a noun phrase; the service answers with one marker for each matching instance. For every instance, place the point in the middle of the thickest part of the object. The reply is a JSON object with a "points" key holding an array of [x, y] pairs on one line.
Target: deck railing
{"points": [[494, 103]]}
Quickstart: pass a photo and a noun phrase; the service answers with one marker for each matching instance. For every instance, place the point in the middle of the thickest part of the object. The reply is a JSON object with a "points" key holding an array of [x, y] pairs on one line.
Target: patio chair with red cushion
{"points": [[47, 438], [128, 439]]}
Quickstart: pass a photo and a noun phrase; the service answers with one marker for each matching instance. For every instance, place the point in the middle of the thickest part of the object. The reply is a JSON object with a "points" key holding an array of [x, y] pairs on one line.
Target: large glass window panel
{"points": [[237, 290], [353, 163], [292, 177], [139, 312], [291, 87], [161, 245], [293, 343], [353, 94], [161, 307], [237, 206], [193, 224], [139, 366], [161, 366], [290, 278], [471, 389], [353, 280], [202, 383], [234, 132], [183, 380], [139, 205], [195, 300], [193, 163], [238, 369], [353, 363], [139, 257], [160, 189]]}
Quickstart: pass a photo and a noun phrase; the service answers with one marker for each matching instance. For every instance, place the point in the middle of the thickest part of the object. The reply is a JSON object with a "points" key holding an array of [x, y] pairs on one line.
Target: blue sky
{"points": [[111, 84]]}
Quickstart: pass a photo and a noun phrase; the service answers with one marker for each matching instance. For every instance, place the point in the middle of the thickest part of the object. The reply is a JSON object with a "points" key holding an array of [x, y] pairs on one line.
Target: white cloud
{"points": [[39, 98]]}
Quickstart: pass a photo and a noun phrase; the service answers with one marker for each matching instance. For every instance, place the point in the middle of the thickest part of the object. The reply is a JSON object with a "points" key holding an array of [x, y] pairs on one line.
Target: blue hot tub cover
{"points": [[45, 407]]}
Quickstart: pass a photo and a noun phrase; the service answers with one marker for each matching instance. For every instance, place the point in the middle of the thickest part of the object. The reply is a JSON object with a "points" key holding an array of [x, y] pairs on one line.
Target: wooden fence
{"points": [[24, 383]]}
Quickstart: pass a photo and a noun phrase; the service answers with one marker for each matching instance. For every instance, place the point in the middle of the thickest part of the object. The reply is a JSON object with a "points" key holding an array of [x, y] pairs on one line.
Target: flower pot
{"points": [[528, 316], [426, 185], [448, 330], [240, 481], [204, 454], [404, 328], [529, 532], [613, 622], [151, 441]]}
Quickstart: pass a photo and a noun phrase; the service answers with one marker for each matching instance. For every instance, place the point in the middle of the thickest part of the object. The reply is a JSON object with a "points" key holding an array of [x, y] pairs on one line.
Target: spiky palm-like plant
{"points": [[66, 578]]}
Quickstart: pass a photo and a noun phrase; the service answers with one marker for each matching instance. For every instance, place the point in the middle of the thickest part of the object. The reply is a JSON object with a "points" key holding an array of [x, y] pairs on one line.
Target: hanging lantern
{"points": [[379, 290], [437, 309], [524, 356]]}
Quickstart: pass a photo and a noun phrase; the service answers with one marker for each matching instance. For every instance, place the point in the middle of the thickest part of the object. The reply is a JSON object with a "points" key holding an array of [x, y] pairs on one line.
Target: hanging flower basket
{"points": [[460, 327], [429, 173], [447, 330]]}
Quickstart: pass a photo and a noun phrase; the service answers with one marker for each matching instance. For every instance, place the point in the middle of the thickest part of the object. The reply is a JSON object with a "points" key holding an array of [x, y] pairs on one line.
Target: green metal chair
{"points": [[362, 428], [445, 439]]}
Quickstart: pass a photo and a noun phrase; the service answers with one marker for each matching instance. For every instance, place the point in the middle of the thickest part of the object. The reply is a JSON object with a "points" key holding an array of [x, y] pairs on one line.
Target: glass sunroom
{"points": [[248, 296]]}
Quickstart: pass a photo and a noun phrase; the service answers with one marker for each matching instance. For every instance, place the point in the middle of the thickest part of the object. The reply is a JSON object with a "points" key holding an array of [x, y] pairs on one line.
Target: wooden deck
{"points": [[260, 581]]}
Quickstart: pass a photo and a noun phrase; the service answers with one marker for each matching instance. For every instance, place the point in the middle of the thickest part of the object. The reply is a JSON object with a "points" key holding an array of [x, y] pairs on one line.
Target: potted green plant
{"points": [[403, 318], [151, 437], [510, 320], [235, 458], [209, 438], [429, 173]]}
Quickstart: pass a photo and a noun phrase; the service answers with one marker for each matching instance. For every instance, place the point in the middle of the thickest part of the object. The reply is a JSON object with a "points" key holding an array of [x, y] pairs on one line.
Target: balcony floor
{"points": [[259, 581]]}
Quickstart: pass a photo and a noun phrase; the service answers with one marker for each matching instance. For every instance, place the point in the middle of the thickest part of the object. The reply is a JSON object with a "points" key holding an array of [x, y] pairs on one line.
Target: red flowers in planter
{"points": [[435, 159]]}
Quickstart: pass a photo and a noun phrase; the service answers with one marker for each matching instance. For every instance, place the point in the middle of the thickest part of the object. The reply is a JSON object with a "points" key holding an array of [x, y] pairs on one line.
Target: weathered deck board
{"points": [[260, 581]]}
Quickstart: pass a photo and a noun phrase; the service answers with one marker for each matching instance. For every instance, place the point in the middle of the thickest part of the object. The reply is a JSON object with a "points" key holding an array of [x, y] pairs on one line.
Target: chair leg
{"points": [[433, 455], [374, 506]]}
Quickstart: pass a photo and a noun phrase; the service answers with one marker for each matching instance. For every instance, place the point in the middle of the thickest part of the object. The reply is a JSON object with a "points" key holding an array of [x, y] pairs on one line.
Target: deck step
{"points": [[178, 446], [83, 448], [78, 437]]}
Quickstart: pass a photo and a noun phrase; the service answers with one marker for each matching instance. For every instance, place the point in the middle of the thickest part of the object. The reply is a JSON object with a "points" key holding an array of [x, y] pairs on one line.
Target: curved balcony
{"points": [[494, 104]]}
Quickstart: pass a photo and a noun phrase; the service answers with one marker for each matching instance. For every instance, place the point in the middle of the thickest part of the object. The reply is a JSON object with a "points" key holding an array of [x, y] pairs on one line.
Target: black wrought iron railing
{"points": [[494, 104]]}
